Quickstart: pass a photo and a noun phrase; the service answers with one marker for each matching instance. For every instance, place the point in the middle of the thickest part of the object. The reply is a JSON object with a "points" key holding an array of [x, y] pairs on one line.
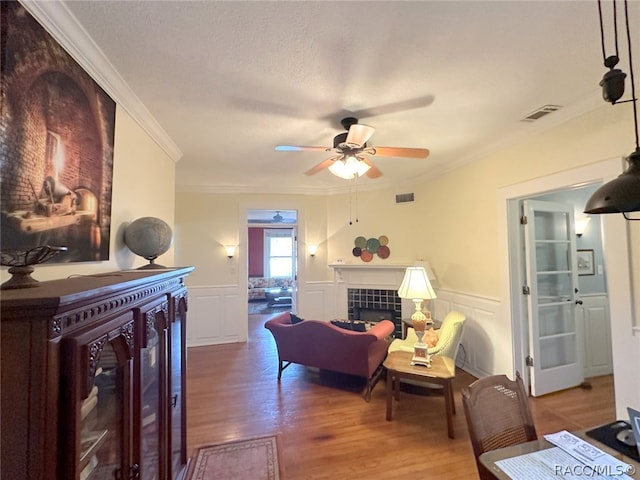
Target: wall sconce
{"points": [[312, 249], [230, 249], [581, 225]]}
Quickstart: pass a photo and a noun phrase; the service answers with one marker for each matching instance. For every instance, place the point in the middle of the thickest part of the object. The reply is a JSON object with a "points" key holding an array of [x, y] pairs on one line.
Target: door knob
{"points": [[578, 302]]}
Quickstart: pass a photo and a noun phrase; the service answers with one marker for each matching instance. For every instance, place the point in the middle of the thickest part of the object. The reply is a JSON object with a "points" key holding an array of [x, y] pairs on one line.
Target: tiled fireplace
{"points": [[373, 305], [370, 292]]}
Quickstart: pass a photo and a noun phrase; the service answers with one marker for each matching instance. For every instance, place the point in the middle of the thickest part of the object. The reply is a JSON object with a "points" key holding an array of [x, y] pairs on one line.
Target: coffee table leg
{"points": [[389, 393], [448, 401]]}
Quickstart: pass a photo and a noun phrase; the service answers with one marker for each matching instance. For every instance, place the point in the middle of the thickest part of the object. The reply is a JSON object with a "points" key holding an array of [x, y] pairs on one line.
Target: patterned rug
{"points": [[252, 459], [262, 308]]}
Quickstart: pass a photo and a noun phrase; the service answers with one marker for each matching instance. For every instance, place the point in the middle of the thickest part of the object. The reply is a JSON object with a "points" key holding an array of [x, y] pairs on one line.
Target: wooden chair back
{"points": [[498, 415]]}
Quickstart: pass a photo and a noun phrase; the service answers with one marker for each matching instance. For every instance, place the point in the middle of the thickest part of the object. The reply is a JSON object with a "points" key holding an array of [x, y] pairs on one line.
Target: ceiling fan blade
{"points": [[400, 152], [293, 148], [359, 134], [373, 172], [322, 165]]}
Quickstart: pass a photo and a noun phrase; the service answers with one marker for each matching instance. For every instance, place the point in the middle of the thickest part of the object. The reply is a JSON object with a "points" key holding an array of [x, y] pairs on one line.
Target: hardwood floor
{"points": [[327, 430]]}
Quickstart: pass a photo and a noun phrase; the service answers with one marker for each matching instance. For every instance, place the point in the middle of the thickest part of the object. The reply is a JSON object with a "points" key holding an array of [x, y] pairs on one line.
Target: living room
{"points": [[458, 223]]}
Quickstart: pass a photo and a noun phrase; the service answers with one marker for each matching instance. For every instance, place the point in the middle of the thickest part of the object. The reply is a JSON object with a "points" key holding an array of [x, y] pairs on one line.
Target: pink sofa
{"points": [[315, 343]]}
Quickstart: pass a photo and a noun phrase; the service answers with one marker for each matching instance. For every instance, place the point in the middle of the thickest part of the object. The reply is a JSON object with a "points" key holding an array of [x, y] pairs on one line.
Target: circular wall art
{"points": [[366, 256], [366, 248], [373, 244]]}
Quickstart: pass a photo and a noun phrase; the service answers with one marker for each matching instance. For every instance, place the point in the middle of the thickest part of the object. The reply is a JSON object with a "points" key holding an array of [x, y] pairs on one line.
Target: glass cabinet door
{"points": [[177, 382], [101, 425], [152, 385], [96, 379]]}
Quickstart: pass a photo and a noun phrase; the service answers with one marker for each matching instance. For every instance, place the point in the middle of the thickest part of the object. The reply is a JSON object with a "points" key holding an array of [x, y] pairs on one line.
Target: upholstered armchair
{"points": [[449, 336]]}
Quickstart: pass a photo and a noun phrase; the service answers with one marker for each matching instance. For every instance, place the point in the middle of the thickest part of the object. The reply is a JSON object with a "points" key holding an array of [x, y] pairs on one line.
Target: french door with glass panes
{"points": [[555, 336]]}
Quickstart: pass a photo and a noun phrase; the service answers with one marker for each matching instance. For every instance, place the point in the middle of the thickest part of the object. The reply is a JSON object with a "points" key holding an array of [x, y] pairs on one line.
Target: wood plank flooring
{"points": [[327, 430]]}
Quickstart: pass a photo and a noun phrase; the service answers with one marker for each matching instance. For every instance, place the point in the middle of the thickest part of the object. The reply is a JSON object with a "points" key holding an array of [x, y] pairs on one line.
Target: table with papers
{"points": [[561, 455]]}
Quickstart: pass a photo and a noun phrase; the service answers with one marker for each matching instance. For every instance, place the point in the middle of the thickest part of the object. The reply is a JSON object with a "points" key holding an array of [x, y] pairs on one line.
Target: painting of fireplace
{"points": [[56, 151], [373, 305]]}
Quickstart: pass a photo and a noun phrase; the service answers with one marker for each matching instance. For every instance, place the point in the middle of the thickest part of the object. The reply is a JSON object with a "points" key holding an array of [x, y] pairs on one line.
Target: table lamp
{"points": [[416, 286]]}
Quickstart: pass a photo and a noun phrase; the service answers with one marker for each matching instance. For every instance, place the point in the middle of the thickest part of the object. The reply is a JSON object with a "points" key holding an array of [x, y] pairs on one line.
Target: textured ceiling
{"points": [[230, 80]]}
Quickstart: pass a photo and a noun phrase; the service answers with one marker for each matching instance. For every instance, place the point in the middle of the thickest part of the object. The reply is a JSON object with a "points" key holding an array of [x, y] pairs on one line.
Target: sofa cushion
{"points": [[355, 325]]}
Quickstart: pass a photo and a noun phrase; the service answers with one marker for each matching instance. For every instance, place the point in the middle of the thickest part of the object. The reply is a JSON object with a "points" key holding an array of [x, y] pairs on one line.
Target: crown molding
{"points": [[364, 186], [62, 25]]}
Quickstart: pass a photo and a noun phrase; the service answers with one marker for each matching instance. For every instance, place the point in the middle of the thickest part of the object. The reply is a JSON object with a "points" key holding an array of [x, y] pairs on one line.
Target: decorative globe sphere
{"points": [[148, 237]]}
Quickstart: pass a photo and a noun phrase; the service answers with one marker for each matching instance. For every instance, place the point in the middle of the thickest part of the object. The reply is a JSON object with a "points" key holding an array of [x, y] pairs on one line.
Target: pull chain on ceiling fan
{"points": [[350, 148]]}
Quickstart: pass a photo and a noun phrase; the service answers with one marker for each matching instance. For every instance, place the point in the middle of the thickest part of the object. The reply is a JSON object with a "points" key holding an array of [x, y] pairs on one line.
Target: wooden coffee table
{"points": [[442, 372]]}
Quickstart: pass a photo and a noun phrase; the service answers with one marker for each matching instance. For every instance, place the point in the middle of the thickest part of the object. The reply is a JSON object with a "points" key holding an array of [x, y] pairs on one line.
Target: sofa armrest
{"points": [[382, 329]]}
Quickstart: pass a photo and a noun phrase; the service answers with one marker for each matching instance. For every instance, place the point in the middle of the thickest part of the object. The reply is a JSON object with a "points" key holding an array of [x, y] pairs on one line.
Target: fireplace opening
{"points": [[373, 315], [373, 305]]}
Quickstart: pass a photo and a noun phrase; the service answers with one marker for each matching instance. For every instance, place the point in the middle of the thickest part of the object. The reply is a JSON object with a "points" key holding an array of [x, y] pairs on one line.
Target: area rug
{"points": [[250, 459], [262, 308]]}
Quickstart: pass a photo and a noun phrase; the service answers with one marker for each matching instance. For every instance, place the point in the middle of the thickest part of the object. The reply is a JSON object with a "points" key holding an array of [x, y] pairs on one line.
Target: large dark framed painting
{"points": [[56, 145]]}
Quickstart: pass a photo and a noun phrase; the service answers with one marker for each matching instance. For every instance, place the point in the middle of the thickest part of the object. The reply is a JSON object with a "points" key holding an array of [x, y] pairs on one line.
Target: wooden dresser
{"points": [[93, 377]]}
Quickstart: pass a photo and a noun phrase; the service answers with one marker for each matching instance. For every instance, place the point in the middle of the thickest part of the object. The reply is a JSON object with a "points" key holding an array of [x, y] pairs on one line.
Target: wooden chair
{"points": [[498, 415]]}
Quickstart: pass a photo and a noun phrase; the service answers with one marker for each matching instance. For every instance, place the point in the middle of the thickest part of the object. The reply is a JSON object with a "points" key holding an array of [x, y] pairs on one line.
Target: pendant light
{"points": [[621, 195]]}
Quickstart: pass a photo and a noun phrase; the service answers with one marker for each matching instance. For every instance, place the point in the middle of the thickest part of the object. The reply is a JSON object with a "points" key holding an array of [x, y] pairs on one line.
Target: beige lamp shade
{"points": [[415, 285]]}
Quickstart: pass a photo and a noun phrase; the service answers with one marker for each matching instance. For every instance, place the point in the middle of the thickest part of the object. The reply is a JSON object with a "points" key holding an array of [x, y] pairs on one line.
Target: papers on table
{"points": [[572, 458]]}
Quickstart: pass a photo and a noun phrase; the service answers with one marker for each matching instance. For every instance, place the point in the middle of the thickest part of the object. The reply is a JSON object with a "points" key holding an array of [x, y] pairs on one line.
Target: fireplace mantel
{"points": [[367, 266], [369, 275]]}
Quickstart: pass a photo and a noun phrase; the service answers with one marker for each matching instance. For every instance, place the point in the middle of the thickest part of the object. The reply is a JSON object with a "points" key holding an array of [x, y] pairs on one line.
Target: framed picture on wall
{"points": [[585, 262], [57, 146]]}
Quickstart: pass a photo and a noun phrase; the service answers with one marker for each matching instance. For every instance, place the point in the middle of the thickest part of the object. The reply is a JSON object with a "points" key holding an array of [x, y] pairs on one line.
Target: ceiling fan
{"points": [[350, 148]]}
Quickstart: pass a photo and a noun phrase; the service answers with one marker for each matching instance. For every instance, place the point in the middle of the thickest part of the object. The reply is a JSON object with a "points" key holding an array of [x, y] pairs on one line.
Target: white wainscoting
{"points": [[218, 314], [316, 301], [597, 335], [215, 316], [479, 352]]}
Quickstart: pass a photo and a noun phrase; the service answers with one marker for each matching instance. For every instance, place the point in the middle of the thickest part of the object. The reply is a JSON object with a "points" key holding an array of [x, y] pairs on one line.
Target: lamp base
{"points": [[421, 355]]}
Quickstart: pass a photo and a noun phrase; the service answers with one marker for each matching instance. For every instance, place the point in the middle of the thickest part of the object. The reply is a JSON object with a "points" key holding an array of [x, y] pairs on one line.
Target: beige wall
{"points": [[143, 185], [205, 222], [377, 214]]}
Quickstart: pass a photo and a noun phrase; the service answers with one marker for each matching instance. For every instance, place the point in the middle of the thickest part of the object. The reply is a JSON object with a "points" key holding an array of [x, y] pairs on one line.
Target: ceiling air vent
{"points": [[541, 112], [404, 197]]}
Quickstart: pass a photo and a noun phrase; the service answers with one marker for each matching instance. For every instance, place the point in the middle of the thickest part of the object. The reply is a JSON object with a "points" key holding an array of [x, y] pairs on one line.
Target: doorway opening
{"points": [[272, 261], [538, 330]]}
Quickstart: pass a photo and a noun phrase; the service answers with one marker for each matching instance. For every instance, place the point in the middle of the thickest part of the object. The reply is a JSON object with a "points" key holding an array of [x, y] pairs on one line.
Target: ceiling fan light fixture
{"points": [[348, 168]]}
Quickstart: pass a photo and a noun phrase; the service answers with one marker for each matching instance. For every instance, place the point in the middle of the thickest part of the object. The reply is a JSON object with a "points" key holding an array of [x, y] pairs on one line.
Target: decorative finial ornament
{"points": [[612, 82]]}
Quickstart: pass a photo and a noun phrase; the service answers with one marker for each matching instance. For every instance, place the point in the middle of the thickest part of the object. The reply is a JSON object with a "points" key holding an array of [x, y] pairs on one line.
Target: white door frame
{"points": [[244, 205], [615, 252]]}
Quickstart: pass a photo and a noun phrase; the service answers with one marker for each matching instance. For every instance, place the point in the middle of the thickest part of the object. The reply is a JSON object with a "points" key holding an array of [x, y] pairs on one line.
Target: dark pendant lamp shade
{"points": [[620, 195]]}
